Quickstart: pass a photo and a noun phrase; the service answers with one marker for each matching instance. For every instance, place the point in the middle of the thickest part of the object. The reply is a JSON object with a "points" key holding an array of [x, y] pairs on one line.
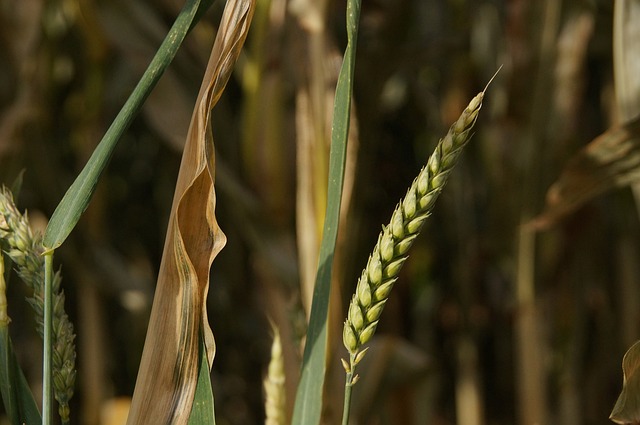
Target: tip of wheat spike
{"points": [[491, 79], [476, 102]]}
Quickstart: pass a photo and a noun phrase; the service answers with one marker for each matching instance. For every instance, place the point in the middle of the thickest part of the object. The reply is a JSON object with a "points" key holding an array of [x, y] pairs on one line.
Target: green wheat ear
{"points": [[390, 252], [25, 250]]}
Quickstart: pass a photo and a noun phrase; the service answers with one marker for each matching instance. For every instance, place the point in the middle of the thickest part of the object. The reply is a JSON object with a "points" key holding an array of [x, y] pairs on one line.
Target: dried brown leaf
{"points": [[627, 408], [610, 160], [169, 368]]}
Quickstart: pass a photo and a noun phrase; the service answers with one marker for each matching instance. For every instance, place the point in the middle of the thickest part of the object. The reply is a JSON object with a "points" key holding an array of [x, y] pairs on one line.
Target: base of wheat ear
{"points": [[390, 252]]}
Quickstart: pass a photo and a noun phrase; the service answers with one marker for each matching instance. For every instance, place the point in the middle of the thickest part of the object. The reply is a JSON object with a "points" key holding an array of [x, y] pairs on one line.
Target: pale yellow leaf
{"points": [[611, 160]]}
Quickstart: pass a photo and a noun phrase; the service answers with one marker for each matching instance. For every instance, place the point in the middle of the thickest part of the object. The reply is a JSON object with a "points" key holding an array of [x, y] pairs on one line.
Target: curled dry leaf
{"points": [[627, 408], [169, 368], [610, 160]]}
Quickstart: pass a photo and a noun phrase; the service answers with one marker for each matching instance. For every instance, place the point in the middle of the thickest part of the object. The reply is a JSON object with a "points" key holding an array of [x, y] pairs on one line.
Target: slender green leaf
{"points": [[18, 400], [77, 198], [202, 411], [17, 397], [308, 405]]}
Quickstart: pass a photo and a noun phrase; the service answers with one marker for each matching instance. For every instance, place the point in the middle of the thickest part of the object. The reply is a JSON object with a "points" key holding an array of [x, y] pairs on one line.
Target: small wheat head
{"points": [[395, 240], [18, 241]]}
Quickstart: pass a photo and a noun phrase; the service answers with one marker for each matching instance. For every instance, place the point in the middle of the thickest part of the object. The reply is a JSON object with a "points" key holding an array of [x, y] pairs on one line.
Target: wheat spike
{"points": [[25, 250], [390, 252]]}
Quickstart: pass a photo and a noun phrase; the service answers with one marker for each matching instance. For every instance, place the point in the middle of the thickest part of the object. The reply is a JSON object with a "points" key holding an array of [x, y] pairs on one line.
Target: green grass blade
{"points": [[202, 412], [308, 404], [77, 198], [17, 398]]}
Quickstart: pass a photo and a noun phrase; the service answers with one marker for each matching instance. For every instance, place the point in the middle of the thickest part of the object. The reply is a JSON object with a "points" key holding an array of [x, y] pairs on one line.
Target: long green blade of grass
{"points": [[308, 405], [77, 198], [17, 398], [202, 412]]}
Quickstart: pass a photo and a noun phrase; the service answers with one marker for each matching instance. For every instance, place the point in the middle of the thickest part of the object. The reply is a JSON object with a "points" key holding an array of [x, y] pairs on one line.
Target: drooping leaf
{"points": [[627, 408], [168, 374], [611, 160]]}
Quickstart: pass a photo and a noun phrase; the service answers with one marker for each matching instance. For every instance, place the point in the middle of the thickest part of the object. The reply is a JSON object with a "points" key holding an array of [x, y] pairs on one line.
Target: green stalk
{"points": [[308, 405], [47, 372], [346, 409]]}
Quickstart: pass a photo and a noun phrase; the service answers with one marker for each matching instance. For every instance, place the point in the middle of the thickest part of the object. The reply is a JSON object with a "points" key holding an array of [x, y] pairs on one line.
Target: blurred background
{"points": [[492, 322]]}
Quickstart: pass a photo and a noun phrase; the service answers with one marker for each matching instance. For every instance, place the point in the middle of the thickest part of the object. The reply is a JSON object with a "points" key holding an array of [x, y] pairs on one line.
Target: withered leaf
{"points": [[627, 408], [611, 160], [169, 368]]}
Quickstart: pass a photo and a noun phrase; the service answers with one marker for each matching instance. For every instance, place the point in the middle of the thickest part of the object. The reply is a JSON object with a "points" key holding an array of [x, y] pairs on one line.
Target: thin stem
{"points": [[47, 373], [347, 394]]}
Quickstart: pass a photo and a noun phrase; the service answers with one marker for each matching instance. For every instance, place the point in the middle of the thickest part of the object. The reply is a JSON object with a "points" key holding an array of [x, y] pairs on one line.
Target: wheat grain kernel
{"points": [[409, 204], [375, 311], [383, 290], [386, 245], [355, 316], [397, 225], [375, 269], [394, 267], [349, 338], [403, 246], [364, 291], [414, 225], [367, 333]]}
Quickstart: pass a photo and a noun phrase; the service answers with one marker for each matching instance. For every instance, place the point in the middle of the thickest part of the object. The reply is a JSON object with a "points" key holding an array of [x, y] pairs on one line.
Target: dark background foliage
{"points": [[470, 334]]}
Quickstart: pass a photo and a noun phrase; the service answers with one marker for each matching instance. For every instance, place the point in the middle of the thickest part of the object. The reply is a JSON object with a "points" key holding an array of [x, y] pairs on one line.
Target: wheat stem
{"points": [[47, 373]]}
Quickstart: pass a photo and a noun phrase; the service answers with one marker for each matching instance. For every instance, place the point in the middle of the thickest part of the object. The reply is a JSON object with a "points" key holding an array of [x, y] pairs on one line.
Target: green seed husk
{"points": [[395, 240], [25, 250]]}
